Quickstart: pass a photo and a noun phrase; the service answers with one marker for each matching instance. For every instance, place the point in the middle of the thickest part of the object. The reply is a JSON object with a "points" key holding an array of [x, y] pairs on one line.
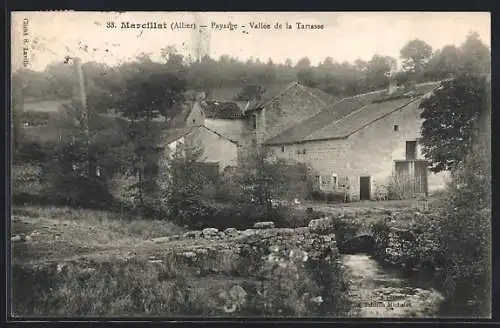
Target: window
{"points": [[304, 151], [396, 127], [282, 149], [254, 122], [411, 150]]}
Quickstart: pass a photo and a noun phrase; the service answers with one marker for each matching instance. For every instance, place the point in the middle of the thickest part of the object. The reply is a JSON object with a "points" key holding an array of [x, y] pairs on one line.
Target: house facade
{"points": [[281, 108], [249, 124], [216, 150]]}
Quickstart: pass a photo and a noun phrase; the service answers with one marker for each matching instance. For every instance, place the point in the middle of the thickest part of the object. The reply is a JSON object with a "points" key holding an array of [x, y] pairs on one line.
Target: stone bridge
{"points": [[397, 243]]}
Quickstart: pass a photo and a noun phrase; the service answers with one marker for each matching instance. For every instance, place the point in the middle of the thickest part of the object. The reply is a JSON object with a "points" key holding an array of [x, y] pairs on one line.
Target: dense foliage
{"points": [[208, 74], [451, 111]]}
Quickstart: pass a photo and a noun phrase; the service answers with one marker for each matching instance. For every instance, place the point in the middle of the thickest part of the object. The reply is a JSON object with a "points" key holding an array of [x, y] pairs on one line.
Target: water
{"points": [[381, 292]]}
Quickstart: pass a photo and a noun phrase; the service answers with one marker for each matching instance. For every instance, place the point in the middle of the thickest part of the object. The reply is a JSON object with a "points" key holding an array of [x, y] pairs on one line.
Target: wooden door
{"points": [[364, 188], [420, 177]]}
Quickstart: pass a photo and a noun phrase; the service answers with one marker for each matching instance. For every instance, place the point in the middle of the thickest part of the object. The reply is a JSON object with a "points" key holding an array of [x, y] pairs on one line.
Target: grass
{"points": [[57, 273], [60, 232], [131, 288], [110, 225]]}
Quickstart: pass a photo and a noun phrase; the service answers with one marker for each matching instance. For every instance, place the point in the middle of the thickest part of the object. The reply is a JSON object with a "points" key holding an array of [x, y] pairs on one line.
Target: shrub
{"points": [[130, 288], [240, 216], [296, 282]]}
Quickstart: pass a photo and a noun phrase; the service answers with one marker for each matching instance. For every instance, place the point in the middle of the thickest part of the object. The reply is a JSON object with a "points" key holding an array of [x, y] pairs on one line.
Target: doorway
{"points": [[364, 188]]}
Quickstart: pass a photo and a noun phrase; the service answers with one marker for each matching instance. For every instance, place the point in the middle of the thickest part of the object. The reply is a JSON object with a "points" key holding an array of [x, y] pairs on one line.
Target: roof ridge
{"points": [[288, 87], [219, 134], [310, 93], [340, 119], [385, 115]]}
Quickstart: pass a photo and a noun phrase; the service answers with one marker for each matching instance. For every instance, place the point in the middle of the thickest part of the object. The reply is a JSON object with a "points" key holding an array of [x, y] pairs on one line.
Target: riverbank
{"points": [[380, 292]]}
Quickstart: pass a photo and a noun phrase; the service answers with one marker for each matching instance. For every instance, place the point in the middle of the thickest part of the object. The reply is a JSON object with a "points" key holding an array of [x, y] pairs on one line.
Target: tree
{"points": [[377, 69], [17, 110], [182, 181], [464, 231], [328, 63], [303, 63], [415, 55], [360, 64], [149, 91], [262, 178], [445, 62], [449, 116], [476, 55], [251, 92]]}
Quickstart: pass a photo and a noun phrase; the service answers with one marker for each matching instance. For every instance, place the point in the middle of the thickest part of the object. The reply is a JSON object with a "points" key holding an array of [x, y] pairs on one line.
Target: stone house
{"points": [[364, 145], [218, 151], [251, 123]]}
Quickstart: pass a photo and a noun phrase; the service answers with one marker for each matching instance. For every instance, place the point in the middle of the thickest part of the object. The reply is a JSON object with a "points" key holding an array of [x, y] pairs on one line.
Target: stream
{"points": [[381, 292]]}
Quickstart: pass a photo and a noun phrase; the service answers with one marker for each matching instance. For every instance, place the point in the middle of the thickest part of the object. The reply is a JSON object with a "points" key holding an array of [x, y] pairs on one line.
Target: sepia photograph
{"points": [[250, 165]]}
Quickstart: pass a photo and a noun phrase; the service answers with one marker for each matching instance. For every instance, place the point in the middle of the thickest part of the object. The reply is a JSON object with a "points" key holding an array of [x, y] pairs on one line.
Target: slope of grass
{"points": [[57, 232]]}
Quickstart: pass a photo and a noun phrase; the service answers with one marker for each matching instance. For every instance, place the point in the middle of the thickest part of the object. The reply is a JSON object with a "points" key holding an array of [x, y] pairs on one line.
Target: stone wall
{"points": [[265, 270], [244, 252]]}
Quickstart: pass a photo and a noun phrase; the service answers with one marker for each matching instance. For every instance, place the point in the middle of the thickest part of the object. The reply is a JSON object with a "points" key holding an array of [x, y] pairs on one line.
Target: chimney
{"points": [[200, 96], [393, 85]]}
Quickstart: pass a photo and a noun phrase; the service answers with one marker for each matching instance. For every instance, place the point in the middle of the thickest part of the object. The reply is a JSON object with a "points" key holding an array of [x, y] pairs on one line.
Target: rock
{"points": [[188, 255], [238, 294], [322, 226], [155, 261], [16, 238], [192, 234], [248, 232], [161, 239], [264, 225], [202, 251], [231, 232], [210, 232]]}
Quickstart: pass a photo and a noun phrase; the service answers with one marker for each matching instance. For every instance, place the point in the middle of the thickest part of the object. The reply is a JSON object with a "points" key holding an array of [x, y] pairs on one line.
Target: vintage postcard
{"points": [[251, 164]]}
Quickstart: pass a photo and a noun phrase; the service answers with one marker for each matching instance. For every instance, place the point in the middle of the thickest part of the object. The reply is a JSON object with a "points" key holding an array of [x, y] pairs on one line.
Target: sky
{"points": [[346, 36]]}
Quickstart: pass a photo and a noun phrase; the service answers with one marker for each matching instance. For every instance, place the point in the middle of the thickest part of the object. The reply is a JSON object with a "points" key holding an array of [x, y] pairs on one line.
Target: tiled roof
{"points": [[359, 119], [276, 90], [171, 135], [221, 109], [349, 115]]}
